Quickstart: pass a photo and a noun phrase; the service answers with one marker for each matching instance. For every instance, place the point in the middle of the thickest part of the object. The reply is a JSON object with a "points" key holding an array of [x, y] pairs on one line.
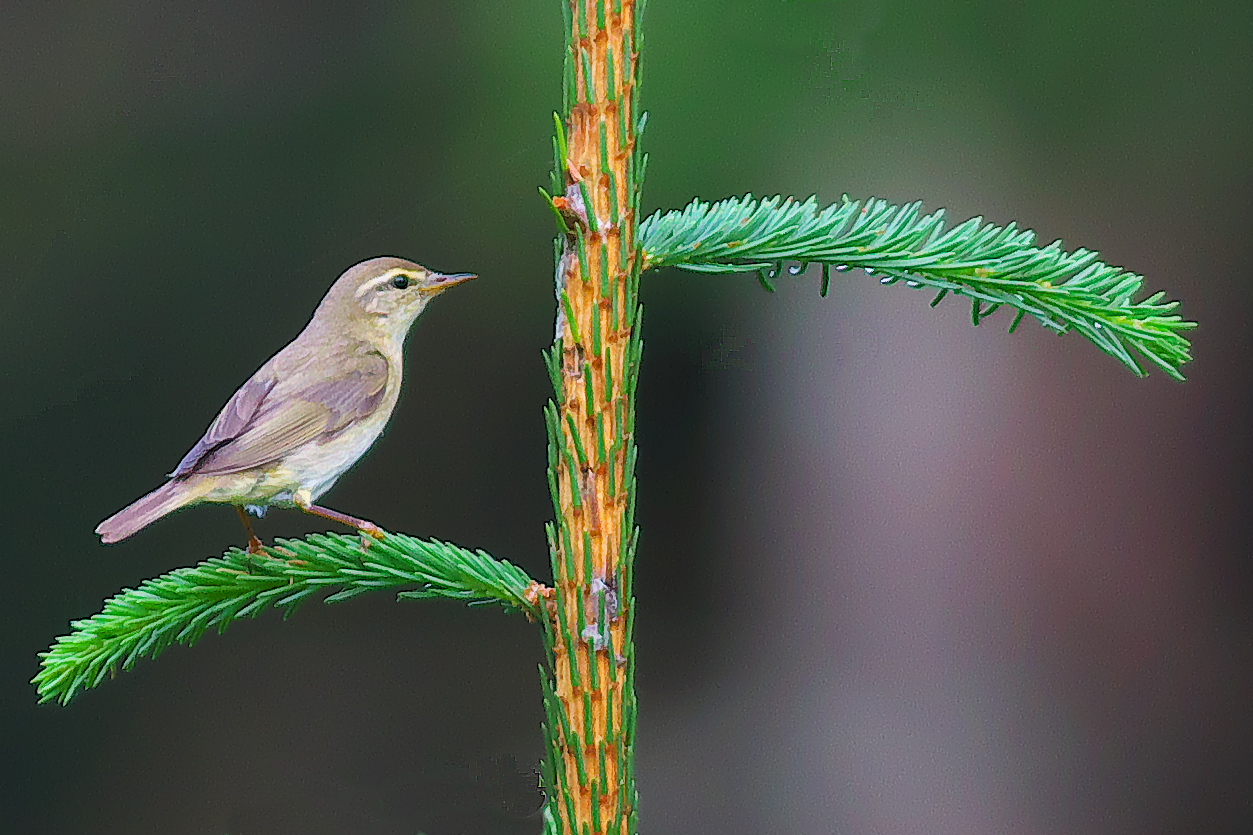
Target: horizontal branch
{"points": [[177, 608], [991, 265]]}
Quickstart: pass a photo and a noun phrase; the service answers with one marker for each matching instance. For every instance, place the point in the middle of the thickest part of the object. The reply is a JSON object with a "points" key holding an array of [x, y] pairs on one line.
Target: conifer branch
{"points": [[991, 265], [589, 677], [179, 607]]}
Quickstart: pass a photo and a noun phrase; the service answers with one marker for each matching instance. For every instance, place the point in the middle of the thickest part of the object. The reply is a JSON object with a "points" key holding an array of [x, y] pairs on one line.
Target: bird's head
{"points": [[385, 293]]}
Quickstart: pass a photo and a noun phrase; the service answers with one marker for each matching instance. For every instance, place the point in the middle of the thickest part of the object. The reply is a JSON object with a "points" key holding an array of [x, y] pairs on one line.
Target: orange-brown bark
{"points": [[595, 417]]}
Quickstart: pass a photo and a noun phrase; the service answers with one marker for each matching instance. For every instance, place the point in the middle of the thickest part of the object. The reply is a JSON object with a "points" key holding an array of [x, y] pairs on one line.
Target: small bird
{"points": [[309, 413]]}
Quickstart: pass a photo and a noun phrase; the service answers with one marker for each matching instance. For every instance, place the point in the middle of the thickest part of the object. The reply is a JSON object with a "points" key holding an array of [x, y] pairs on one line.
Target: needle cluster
{"points": [[179, 607], [993, 266]]}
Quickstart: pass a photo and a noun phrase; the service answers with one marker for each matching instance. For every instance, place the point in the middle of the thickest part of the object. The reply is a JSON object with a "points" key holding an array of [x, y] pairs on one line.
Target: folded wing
{"points": [[268, 417]]}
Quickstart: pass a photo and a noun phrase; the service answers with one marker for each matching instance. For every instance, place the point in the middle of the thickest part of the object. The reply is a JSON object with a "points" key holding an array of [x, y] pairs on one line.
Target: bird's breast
{"points": [[317, 465]]}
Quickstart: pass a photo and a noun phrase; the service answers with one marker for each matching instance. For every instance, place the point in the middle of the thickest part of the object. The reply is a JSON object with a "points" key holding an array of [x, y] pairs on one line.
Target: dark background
{"points": [[898, 575]]}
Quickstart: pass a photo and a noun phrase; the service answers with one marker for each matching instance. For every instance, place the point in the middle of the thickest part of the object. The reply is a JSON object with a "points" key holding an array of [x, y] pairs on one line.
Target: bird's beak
{"points": [[439, 282]]}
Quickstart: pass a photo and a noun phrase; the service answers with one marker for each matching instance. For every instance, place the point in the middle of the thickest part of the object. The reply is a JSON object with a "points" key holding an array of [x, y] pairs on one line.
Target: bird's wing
{"points": [[231, 422], [265, 420]]}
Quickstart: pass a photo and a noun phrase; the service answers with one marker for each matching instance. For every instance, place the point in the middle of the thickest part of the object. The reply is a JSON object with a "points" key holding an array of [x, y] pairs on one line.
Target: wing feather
{"points": [[231, 422], [266, 419]]}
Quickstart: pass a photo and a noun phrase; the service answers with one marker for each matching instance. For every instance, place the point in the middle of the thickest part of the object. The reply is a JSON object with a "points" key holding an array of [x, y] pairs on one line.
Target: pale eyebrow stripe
{"points": [[381, 280]]}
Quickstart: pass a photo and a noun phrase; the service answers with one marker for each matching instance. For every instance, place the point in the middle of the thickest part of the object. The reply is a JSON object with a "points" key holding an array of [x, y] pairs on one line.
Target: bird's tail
{"points": [[167, 498]]}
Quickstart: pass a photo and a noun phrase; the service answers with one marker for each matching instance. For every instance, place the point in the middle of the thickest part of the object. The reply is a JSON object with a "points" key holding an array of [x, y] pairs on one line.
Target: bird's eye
{"points": [[400, 282]]}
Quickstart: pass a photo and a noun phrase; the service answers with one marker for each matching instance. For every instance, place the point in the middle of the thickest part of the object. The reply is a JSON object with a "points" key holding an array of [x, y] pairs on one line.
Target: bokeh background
{"points": [[898, 574]]}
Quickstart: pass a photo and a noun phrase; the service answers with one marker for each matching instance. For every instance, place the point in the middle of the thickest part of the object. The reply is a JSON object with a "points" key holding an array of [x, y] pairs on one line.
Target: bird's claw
{"points": [[370, 532]]}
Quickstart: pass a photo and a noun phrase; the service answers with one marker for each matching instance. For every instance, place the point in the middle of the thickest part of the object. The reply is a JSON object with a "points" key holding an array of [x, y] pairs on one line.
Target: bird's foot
{"points": [[370, 532], [365, 528], [255, 546]]}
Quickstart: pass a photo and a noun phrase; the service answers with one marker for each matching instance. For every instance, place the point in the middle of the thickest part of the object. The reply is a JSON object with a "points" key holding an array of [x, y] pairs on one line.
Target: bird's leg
{"points": [[362, 525], [255, 545]]}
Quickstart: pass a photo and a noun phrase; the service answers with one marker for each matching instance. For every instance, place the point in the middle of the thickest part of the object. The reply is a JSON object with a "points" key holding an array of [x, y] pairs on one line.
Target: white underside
{"points": [[302, 475]]}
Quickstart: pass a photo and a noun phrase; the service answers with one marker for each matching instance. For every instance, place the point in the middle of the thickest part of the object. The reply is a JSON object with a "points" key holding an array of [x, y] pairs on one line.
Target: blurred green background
{"points": [[898, 575]]}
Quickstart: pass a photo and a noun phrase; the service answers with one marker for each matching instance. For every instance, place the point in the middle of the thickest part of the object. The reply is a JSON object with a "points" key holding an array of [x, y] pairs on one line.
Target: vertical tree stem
{"points": [[589, 687]]}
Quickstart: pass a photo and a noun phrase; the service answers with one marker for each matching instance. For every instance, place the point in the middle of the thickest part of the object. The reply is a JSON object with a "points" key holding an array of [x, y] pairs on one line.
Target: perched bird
{"points": [[309, 413]]}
